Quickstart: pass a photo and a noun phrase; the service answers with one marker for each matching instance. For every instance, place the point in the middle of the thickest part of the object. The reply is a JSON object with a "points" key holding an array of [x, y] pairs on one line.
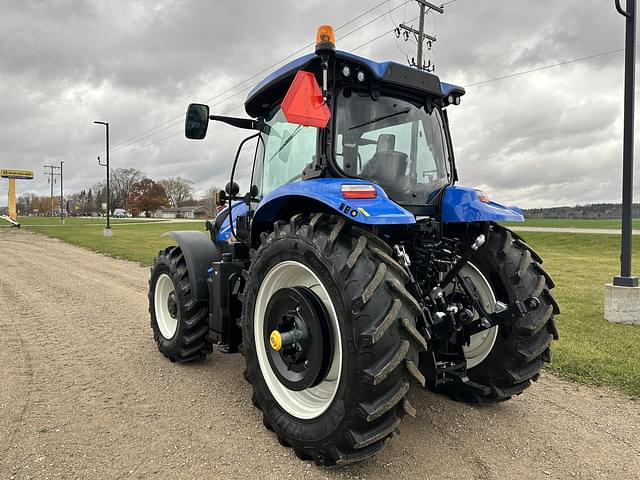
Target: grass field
{"points": [[590, 349], [138, 243], [567, 223], [28, 221]]}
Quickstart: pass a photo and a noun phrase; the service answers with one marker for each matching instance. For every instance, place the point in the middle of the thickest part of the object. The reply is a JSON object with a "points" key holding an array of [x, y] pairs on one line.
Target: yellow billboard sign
{"points": [[19, 174]]}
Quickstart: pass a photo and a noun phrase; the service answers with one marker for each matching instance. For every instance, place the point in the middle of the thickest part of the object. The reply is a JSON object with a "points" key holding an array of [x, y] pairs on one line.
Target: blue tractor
{"points": [[355, 265]]}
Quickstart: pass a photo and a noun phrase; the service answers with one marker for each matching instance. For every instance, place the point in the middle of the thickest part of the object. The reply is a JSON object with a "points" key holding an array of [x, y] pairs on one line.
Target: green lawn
{"points": [[77, 220], [138, 243], [562, 222], [590, 349]]}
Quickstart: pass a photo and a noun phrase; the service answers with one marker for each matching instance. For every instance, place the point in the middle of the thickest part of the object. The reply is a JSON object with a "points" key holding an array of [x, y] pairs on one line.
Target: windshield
{"points": [[393, 143]]}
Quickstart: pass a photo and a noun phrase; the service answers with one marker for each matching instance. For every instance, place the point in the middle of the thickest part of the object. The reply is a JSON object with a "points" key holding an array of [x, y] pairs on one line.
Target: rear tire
{"points": [[180, 324], [514, 271], [378, 339]]}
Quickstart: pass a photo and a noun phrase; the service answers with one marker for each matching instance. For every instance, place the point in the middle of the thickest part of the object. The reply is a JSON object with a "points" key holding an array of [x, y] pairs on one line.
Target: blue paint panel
{"points": [[288, 69], [448, 88], [375, 211], [239, 208], [462, 204], [378, 70]]}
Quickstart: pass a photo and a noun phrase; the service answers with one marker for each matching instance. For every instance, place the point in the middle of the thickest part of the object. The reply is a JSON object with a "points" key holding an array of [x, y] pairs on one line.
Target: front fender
{"points": [[463, 204], [328, 191], [199, 252]]}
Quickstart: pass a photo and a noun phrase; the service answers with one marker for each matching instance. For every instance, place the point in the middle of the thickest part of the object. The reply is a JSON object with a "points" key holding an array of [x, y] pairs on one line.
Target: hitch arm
{"points": [[504, 314], [459, 265]]}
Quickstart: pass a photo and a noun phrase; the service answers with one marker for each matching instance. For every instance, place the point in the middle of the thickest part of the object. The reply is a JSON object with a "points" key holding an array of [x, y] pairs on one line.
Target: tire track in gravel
{"points": [[17, 371], [104, 403]]}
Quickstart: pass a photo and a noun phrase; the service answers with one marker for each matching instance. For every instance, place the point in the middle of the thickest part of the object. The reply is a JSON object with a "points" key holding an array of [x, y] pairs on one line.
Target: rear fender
{"points": [[199, 252], [292, 197], [463, 205]]}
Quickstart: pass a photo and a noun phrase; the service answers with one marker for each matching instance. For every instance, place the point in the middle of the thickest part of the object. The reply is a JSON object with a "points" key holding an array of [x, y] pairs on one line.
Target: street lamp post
{"points": [[622, 297], [107, 230], [62, 206], [625, 279]]}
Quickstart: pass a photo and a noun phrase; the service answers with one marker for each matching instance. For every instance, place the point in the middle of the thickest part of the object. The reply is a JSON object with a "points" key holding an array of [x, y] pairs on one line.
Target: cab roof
{"points": [[274, 86]]}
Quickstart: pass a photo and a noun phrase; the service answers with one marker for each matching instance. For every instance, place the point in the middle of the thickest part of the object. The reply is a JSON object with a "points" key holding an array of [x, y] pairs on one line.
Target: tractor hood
{"points": [[390, 75]]}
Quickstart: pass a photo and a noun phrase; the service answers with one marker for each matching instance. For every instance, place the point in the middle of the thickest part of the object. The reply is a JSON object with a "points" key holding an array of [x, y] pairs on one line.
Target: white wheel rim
{"points": [[166, 323], [311, 402], [480, 344]]}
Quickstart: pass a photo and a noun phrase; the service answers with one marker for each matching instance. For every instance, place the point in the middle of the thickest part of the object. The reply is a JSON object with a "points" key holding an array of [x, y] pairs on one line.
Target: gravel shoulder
{"points": [[84, 393]]}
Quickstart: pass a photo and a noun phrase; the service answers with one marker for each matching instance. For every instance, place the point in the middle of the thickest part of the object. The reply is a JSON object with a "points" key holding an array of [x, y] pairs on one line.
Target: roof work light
{"points": [[325, 39], [325, 47]]}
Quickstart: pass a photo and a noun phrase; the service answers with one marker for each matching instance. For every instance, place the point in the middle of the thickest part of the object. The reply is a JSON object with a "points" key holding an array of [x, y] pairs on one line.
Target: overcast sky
{"points": [[552, 137]]}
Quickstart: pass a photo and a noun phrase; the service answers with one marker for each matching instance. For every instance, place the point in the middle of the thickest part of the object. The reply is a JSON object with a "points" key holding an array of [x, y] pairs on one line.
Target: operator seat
{"points": [[387, 166]]}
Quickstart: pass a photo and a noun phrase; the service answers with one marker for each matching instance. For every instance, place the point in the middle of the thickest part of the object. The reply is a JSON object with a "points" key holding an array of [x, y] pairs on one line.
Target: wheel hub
{"points": [[298, 337], [172, 304]]}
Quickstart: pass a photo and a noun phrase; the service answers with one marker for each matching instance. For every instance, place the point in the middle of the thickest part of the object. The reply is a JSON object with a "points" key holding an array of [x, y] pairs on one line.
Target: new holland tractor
{"points": [[355, 265]]}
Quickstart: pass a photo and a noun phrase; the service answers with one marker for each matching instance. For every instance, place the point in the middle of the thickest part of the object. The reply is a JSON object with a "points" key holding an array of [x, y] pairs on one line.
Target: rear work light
{"points": [[483, 197], [358, 191]]}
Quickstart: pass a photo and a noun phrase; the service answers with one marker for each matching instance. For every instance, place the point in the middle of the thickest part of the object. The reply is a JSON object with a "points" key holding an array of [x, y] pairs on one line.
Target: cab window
{"points": [[284, 151]]}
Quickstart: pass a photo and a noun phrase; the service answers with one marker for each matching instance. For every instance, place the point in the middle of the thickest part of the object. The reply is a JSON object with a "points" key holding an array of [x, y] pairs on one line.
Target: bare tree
{"points": [[122, 179], [178, 190], [210, 198]]}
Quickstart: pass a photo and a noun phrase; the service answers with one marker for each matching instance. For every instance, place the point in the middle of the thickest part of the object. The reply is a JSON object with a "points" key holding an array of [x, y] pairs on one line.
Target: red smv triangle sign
{"points": [[303, 104]]}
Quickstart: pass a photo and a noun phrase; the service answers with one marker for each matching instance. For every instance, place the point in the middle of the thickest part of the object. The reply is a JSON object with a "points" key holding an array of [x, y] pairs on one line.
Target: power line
{"points": [[546, 67], [172, 119]]}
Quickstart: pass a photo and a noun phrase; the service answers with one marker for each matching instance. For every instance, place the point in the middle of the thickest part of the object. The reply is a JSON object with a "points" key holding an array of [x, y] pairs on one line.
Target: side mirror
{"points": [[196, 121], [232, 189]]}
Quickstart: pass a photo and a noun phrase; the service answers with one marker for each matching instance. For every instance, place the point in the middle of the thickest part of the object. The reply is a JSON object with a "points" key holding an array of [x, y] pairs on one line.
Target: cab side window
{"points": [[284, 151]]}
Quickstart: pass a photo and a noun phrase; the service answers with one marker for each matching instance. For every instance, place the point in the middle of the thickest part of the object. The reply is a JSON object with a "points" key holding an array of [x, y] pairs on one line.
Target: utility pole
{"points": [[107, 231], [62, 206], [419, 34], [52, 174], [625, 279]]}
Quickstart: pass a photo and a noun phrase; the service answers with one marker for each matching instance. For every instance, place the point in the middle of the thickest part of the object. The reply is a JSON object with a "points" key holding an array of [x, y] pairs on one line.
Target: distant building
{"points": [[197, 212]]}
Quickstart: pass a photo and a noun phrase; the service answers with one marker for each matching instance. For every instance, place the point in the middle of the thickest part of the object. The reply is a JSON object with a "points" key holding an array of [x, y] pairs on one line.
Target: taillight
{"points": [[483, 197], [358, 191]]}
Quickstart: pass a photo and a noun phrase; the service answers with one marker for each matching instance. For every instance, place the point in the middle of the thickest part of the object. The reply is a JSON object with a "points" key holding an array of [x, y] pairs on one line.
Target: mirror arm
{"points": [[246, 123]]}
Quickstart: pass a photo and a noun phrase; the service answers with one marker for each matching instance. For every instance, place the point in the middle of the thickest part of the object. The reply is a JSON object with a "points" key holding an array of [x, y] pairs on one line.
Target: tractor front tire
{"points": [[180, 324], [373, 348], [514, 271]]}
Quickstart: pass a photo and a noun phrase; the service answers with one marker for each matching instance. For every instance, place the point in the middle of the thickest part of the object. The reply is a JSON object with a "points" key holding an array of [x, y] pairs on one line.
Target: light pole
{"points": [[107, 230], [622, 297], [625, 279], [62, 206]]}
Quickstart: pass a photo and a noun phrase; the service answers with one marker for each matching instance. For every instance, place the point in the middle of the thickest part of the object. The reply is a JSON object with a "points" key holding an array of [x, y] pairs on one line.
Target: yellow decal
{"points": [[363, 211]]}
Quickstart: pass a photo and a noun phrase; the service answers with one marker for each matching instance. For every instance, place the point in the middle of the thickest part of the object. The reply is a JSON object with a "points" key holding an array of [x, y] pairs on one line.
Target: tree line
{"points": [[594, 211], [130, 189]]}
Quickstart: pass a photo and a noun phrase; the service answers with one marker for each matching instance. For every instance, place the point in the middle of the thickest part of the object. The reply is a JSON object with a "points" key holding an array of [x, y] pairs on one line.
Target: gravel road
{"points": [[84, 393]]}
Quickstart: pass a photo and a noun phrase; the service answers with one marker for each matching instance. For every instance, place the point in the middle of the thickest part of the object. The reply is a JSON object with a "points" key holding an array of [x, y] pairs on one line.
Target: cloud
{"points": [[547, 138]]}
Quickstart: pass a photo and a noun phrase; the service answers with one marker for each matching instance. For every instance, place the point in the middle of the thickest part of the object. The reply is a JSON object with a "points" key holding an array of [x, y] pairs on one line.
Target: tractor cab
{"points": [[387, 125], [355, 124]]}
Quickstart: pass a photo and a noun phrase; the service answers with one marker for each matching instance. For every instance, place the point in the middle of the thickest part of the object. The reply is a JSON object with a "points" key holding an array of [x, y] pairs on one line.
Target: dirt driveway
{"points": [[85, 394]]}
